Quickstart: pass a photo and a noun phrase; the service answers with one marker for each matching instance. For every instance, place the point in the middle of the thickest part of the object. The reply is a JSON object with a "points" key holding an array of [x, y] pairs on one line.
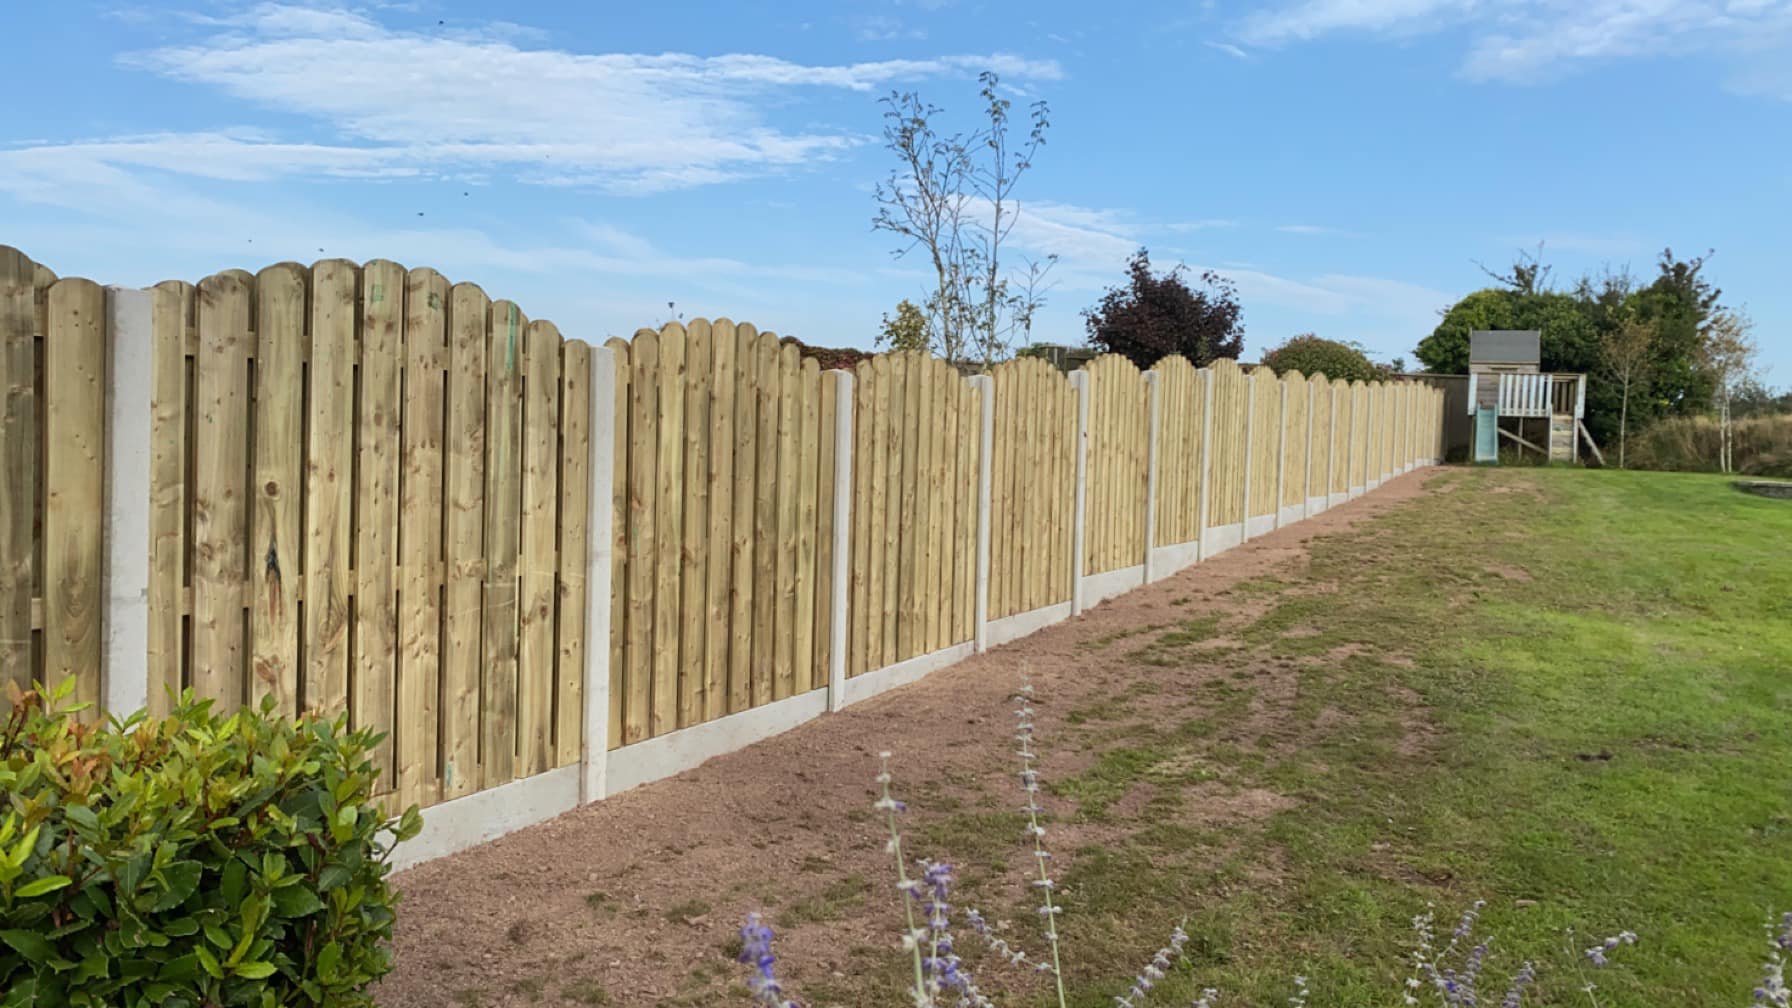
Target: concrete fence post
{"points": [[1152, 413], [1079, 380], [124, 640], [986, 439], [843, 461], [1281, 447], [599, 540], [1206, 464]]}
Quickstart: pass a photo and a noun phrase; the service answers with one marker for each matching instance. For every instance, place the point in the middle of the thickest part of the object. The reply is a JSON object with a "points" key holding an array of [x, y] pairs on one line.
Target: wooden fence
{"points": [[368, 491]]}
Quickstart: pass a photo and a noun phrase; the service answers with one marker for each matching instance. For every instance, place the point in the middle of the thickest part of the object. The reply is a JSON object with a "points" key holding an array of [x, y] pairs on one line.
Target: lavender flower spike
{"points": [[756, 951], [1154, 970]]}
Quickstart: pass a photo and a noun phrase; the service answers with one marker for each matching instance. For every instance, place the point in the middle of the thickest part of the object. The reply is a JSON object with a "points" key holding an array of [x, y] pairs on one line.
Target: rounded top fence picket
{"points": [[369, 491]]}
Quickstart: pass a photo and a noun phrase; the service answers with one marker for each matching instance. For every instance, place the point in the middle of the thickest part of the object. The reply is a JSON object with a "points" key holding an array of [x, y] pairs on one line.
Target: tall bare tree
{"points": [[1728, 352], [1628, 351], [952, 194]]}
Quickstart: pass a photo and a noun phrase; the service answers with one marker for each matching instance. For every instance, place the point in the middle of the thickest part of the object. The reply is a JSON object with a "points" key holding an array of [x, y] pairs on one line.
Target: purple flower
{"points": [[756, 951]]}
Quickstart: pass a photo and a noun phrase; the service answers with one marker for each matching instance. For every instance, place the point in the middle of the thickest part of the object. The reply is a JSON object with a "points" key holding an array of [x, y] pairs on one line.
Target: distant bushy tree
{"points": [[1311, 355], [1578, 325], [1155, 315], [907, 331]]}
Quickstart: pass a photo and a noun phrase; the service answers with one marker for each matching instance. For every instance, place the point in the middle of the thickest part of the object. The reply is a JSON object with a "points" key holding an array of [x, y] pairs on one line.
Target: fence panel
{"points": [[918, 425], [1119, 422], [1266, 425], [1319, 389], [1179, 391], [1225, 499], [1293, 466], [1031, 486]]}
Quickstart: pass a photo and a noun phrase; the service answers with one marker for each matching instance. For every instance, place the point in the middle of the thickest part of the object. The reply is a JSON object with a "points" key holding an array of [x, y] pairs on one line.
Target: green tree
{"points": [[907, 331], [1576, 326], [1311, 355]]}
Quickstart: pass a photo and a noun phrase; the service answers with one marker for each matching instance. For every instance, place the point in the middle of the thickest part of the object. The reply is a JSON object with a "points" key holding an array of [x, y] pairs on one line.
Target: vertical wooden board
{"points": [[74, 486], [743, 556], [329, 486], [619, 539], [827, 466], [1000, 525], [574, 551], [377, 410], [765, 521], [719, 569], [858, 613], [498, 699], [1028, 549], [970, 454], [19, 459], [892, 402], [463, 535], [538, 579], [808, 469], [916, 428], [696, 551], [930, 449], [277, 489], [669, 531], [876, 542], [221, 466], [784, 629], [171, 312], [643, 512], [941, 589], [421, 520]]}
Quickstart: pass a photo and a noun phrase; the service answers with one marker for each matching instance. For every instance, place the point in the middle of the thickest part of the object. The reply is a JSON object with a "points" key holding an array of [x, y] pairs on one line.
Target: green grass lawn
{"points": [[1600, 667]]}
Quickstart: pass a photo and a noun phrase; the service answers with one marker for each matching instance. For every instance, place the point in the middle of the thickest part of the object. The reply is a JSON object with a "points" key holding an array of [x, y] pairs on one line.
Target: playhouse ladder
{"points": [[1561, 437]]}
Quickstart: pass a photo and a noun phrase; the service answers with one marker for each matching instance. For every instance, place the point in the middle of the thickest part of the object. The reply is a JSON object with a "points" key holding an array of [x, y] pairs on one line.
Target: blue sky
{"points": [[1344, 161]]}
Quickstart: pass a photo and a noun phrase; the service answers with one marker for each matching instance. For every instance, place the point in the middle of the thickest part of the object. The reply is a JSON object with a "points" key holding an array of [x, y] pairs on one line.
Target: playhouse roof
{"points": [[1505, 346]]}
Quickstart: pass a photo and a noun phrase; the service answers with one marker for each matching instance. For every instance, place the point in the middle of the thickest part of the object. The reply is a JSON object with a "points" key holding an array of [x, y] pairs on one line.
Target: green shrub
{"points": [[1311, 355], [193, 860]]}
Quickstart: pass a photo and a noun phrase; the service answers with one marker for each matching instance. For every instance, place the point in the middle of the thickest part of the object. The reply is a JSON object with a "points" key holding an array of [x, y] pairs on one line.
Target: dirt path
{"points": [[635, 900]]}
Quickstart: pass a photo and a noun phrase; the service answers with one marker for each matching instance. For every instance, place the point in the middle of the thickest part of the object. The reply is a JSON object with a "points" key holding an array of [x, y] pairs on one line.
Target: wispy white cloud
{"points": [[1228, 48], [1307, 229], [1523, 41], [884, 28], [408, 103]]}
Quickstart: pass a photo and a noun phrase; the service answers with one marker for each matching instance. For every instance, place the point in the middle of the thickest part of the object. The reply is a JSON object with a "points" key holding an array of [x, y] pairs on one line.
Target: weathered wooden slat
{"points": [[420, 523], [696, 551], [828, 405], [74, 486], [538, 580], [643, 513], [463, 534], [499, 698], [575, 530], [809, 433], [864, 499], [19, 455], [378, 401], [719, 435], [668, 664], [220, 514], [742, 520], [171, 312], [923, 576], [620, 518], [275, 574], [912, 526], [329, 487], [784, 631], [765, 521]]}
